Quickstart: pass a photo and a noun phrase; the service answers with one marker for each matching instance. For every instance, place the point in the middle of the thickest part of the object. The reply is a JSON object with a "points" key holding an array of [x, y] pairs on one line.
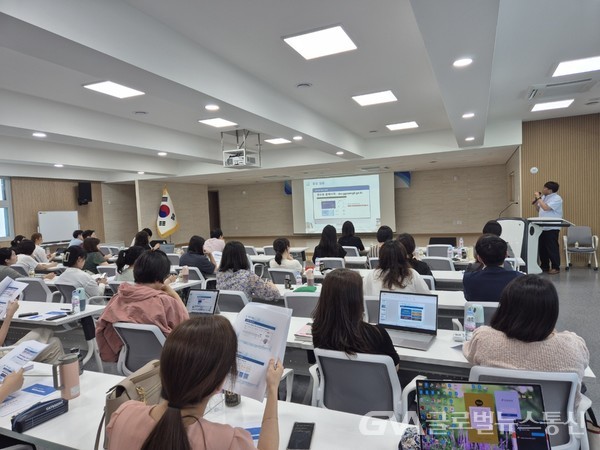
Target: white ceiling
{"points": [[185, 54]]}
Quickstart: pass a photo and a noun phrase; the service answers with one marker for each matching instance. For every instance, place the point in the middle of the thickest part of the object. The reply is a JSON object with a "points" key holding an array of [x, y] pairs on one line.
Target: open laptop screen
{"points": [[407, 311], [473, 415], [202, 301]]}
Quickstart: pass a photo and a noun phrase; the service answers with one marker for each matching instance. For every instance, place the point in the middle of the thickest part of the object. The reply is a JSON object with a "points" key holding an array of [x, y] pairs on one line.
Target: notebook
{"points": [[473, 415], [202, 301], [409, 318]]}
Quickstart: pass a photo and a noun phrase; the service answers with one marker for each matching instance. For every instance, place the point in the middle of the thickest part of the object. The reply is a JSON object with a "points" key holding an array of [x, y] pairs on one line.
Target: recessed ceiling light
{"points": [[577, 66], [316, 44], [402, 126], [552, 105], [140, 113], [463, 62], [113, 89], [58, 165], [218, 122], [212, 107], [141, 173], [162, 153], [468, 115], [469, 139], [39, 134], [277, 141], [339, 153], [297, 138], [304, 84], [375, 98]]}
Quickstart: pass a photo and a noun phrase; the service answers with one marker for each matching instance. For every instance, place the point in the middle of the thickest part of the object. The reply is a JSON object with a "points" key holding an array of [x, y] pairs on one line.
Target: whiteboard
{"points": [[57, 225]]}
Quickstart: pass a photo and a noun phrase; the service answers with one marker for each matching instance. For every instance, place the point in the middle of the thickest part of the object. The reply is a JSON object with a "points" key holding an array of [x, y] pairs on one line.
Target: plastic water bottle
{"points": [[469, 324], [298, 279], [75, 302], [461, 242], [310, 277]]}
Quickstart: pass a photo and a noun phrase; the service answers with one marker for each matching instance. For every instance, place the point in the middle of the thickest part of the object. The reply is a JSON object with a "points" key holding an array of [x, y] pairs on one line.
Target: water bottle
{"points": [[298, 279], [469, 324], [75, 302], [461, 242], [310, 277]]}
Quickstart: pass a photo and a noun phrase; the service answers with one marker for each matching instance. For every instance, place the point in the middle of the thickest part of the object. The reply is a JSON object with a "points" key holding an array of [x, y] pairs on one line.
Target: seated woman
{"points": [[197, 257], [73, 260], [94, 256], [125, 262], [394, 273], [328, 246], [24, 256], [409, 244], [14, 244], [348, 239], [190, 376], [522, 333], [39, 254], [8, 257], [149, 301], [234, 274], [142, 239], [338, 319], [283, 259], [384, 234]]}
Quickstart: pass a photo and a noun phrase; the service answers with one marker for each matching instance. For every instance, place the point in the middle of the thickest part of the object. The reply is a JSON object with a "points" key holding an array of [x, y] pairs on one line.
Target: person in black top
{"points": [[196, 257], [338, 319], [348, 239], [328, 246], [409, 244]]}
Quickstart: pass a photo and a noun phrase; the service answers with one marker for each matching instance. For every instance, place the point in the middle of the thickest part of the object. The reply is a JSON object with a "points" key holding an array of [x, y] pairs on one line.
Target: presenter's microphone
{"points": [[509, 205]]}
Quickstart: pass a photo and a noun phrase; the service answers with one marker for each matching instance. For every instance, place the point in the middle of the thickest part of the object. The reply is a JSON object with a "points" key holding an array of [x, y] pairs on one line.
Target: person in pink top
{"points": [[150, 301], [190, 376]]}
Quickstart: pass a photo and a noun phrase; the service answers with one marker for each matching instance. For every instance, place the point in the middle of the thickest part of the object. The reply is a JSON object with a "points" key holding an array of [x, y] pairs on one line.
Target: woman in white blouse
{"points": [[74, 259], [283, 259], [394, 272]]}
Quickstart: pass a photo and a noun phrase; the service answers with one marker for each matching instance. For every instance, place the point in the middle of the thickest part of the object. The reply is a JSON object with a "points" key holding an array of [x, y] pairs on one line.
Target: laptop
{"points": [[167, 248], [202, 301], [473, 415], [409, 318]]}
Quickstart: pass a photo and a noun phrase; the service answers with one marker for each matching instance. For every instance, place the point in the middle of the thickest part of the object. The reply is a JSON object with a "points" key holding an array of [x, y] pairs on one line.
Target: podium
{"points": [[523, 236]]}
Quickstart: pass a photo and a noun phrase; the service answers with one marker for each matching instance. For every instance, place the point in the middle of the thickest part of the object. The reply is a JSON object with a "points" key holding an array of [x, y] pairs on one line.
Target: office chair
{"points": [[21, 269], [302, 304], [579, 240], [173, 258], [444, 251], [332, 263], [269, 250], [373, 263], [430, 281], [351, 251], [232, 301], [279, 275], [438, 263], [110, 271], [141, 344], [37, 291]]}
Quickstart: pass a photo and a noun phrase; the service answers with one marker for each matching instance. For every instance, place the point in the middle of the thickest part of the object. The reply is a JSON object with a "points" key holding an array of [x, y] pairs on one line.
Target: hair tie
{"points": [[173, 405]]}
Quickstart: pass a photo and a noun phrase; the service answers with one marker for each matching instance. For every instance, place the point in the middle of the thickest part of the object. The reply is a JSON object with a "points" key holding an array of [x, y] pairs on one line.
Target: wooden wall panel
{"points": [[565, 150], [120, 214]]}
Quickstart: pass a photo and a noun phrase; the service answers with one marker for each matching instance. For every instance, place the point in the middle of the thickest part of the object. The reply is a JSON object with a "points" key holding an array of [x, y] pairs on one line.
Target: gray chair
{"points": [[110, 270], [250, 250], [371, 308], [430, 281], [489, 309], [278, 275], [173, 258], [109, 249], [141, 344], [232, 301], [351, 251], [195, 274], [444, 251], [21, 269], [37, 291], [439, 263], [559, 390], [269, 250], [373, 263], [332, 263], [302, 304], [579, 240], [66, 290]]}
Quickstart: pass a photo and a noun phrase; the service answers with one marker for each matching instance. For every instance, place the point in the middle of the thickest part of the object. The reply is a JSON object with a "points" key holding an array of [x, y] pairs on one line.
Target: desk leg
{"points": [[89, 331]]}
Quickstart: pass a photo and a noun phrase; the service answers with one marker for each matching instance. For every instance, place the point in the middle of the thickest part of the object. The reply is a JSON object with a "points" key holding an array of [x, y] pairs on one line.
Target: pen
{"points": [[29, 314]]}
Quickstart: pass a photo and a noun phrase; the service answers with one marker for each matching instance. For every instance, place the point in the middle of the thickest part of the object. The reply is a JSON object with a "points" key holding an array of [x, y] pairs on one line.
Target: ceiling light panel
{"points": [[39, 134], [317, 44], [552, 105], [217, 122], [375, 98], [113, 89], [463, 62], [577, 66], [402, 126], [277, 141]]}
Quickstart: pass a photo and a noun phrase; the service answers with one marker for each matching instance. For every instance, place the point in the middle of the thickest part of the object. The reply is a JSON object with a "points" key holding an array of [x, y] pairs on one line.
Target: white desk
{"points": [[356, 261], [67, 323], [76, 429], [261, 259], [448, 279]]}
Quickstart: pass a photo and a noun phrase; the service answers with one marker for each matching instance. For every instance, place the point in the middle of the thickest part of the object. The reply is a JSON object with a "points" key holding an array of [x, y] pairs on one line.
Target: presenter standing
{"points": [[549, 204]]}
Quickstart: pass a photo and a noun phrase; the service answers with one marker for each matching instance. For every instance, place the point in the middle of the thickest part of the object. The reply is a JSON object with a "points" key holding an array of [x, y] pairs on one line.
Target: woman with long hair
{"points": [[73, 260], [283, 259], [94, 257], [126, 261], [197, 257], [234, 274], [348, 238], [338, 319], [394, 272], [409, 244], [190, 376], [328, 246], [522, 333]]}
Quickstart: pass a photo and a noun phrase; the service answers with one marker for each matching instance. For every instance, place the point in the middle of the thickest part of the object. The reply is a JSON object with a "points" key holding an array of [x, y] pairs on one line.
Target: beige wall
{"points": [[120, 215], [513, 185], [190, 202]]}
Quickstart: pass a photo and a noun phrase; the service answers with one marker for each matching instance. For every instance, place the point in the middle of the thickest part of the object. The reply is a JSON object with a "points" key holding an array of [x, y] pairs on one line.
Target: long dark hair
{"points": [[347, 229], [5, 255], [234, 257], [191, 373], [142, 239], [90, 244], [409, 244], [280, 245], [128, 256], [528, 309], [394, 265], [338, 317], [73, 253], [328, 243], [196, 244]]}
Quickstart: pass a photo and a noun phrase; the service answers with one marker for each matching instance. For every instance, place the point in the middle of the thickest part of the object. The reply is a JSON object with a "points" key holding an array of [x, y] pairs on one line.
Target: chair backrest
{"points": [[278, 275], [343, 385], [110, 271], [351, 251], [250, 250], [581, 235], [489, 309], [445, 251], [109, 249], [438, 263], [430, 281], [269, 250], [66, 290], [232, 301], [371, 308], [21, 269], [195, 274], [559, 390], [173, 258], [510, 264], [373, 263], [333, 263], [36, 290], [143, 343], [443, 241], [302, 304]]}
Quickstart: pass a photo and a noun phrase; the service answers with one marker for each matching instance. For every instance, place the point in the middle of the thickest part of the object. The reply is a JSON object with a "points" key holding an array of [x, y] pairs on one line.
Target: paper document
{"points": [[19, 356], [9, 291], [262, 334], [28, 396]]}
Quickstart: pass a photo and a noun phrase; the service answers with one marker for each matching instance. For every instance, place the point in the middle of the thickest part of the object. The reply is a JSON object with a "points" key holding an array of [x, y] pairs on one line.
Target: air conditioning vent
{"points": [[560, 89]]}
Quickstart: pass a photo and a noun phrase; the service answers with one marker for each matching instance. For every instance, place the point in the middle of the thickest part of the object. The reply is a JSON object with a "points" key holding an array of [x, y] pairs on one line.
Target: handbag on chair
{"points": [[592, 429]]}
